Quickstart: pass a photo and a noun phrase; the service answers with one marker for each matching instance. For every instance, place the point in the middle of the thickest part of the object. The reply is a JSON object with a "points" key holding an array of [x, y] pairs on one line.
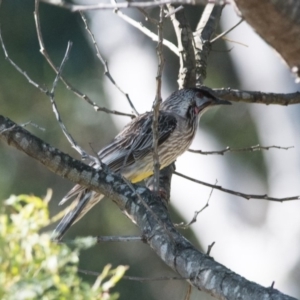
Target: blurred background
{"points": [[258, 239]]}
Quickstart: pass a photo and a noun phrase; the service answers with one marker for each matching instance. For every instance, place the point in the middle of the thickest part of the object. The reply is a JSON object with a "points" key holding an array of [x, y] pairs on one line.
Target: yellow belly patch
{"points": [[141, 176], [144, 175]]}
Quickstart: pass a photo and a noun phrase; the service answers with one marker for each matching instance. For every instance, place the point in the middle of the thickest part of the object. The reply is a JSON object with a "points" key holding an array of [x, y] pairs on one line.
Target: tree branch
{"points": [[75, 7], [277, 22], [62, 78], [105, 64], [204, 33], [239, 194], [176, 251], [134, 278], [184, 34], [146, 31], [157, 101], [246, 149], [257, 97]]}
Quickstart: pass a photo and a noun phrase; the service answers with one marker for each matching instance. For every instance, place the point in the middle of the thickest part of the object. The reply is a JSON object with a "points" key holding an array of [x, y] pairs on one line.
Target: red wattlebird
{"points": [[131, 151]]}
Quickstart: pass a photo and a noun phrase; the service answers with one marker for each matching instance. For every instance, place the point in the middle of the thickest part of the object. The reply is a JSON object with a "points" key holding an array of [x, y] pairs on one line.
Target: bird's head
{"points": [[191, 103]]}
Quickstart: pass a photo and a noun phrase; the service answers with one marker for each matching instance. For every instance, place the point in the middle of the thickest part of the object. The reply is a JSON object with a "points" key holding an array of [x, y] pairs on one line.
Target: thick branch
{"points": [[184, 34], [204, 33], [127, 4], [63, 79], [158, 99], [277, 22], [177, 252], [257, 97]]}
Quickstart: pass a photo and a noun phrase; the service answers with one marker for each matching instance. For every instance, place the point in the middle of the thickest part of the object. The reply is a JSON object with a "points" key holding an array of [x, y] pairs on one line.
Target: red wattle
{"points": [[197, 110]]}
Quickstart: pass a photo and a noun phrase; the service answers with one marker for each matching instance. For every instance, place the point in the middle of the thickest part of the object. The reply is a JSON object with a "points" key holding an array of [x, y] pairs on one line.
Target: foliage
{"points": [[33, 267]]}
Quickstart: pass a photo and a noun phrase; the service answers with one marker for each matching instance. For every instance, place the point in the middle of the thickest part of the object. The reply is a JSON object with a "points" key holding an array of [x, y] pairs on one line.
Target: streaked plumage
{"points": [[130, 153]]}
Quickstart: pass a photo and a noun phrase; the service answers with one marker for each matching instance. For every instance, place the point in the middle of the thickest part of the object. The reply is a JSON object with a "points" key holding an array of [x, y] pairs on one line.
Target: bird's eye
{"points": [[200, 95]]}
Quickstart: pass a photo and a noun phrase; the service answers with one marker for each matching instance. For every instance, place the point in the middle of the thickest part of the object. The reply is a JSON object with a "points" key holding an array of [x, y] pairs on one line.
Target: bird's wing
{"points": [[136, 140]]}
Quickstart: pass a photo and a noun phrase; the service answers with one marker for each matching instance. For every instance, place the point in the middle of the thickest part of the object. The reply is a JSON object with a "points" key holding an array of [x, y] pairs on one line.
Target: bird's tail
{"points": [[85, 200]]}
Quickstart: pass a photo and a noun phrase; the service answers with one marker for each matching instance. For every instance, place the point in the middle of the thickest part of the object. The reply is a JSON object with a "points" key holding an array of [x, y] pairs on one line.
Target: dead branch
{"points": [[247, 149], [154, 37], [63, 79], [257, 97], [158, 100], [239, 194], [135, 278], [197, 212], [105, 64], [146, 4]]}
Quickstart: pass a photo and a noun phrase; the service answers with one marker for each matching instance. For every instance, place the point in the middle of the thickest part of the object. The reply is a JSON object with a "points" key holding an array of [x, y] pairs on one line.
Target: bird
{"points": [[131, 151]]}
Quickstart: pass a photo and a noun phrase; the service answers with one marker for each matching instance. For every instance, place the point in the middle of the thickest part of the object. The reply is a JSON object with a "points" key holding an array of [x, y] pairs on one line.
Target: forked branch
{"points": [[176, 251]]}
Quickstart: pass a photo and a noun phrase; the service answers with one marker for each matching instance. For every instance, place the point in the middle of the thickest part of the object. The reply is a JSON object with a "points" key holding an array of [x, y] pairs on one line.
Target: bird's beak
{"points": [[209, 101], [218, 101]]}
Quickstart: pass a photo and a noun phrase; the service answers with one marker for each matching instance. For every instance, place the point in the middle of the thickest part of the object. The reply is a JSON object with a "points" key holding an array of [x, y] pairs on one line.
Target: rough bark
{"points": [[149, 214], [278, 23]]}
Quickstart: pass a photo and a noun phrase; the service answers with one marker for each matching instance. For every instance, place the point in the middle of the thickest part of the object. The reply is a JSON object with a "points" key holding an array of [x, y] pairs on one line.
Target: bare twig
{"points": [[194, 220], [98, 161], [257, 97], [128, 238], [102, 239], [158, 100], [146, 31], [50, 94], [186, 79], [161, 278], [105, 64], [188, 292], [69, 137], [24, 125], [226, 32], [248, 149], [33, 125], [174, 11], [272, 285], [209, 248], [187, 70], [239, 194], [2, 131], [225, 38], [42, 89], [60, 69], [111, 111], [66, 83], [148, 17], [75, 7], [135, 278]]}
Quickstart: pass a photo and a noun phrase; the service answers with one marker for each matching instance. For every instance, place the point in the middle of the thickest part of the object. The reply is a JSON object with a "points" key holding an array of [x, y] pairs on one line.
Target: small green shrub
{"points": [[34, 267]]}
